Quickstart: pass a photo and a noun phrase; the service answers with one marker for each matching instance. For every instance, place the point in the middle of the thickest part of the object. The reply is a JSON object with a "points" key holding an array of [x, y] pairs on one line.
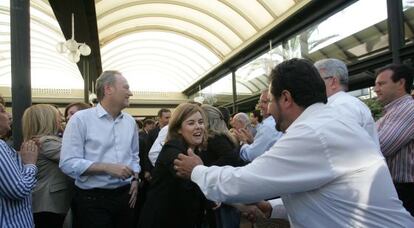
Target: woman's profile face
{"points": [[72, 110], [192, 130]]}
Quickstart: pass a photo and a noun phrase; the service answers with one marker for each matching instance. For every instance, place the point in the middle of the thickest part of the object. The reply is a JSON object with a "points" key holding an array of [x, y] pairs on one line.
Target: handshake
{"points": [[255, 212], [261, 212]]}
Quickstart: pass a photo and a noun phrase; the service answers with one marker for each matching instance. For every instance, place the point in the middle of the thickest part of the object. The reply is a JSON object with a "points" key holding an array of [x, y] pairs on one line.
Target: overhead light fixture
{"points": [[72, 48], [205, 98], [200, 98]]}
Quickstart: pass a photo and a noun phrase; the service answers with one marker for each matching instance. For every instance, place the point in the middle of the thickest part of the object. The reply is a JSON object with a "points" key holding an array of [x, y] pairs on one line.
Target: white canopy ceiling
{"points": [[159, 45]]}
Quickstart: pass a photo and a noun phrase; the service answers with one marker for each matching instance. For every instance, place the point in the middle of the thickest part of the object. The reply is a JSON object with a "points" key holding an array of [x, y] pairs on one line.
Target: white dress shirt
{"points": [[327, 170], [157, 146], [353, 108], [92, 135], [265, 137]]}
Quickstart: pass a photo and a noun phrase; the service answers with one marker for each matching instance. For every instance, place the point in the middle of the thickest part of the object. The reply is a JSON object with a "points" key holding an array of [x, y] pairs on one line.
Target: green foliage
{"points": [[375, 107]]}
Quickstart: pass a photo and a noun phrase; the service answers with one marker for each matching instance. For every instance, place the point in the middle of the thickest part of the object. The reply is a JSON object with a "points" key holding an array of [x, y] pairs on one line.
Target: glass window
{"points": [[218, 93], [349, 35], [408, 9], [253, 77]]}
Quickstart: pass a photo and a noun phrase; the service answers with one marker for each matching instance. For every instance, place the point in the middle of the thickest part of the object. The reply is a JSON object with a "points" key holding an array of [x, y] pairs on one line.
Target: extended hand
{"points": [[251, 212], [185, 164], [265, 207]]}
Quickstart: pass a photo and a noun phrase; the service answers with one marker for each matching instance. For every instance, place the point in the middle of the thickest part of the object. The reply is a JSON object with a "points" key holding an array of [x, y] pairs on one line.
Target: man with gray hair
{"points": [[100, 151], [335, 75], [241, 120]]}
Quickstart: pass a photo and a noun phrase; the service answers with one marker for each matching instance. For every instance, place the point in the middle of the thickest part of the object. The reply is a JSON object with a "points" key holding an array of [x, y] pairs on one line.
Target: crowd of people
{"points": [[311, 155]]}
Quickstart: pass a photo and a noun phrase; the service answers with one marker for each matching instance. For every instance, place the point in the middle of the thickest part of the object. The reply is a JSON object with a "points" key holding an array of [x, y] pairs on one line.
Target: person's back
{"points": [[356, 189], [334, 73], [326, 168], [355, 109]]}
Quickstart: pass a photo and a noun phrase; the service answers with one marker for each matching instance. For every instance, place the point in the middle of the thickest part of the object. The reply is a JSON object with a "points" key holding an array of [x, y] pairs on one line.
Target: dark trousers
{"points": [[102, 208], [406, 195], [48, 220]]}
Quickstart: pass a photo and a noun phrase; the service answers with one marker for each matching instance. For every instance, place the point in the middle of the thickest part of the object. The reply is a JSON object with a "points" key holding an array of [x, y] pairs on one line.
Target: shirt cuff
{"points": [[243, 152], [278, 209], [198, 172], [82, 166], [30, 167]]}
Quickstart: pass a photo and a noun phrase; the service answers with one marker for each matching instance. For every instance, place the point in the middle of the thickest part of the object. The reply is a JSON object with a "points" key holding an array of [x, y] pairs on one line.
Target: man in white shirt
{"points": [[157, 145], [335, 75], [327, 170], [265, 137], [100, 151]]}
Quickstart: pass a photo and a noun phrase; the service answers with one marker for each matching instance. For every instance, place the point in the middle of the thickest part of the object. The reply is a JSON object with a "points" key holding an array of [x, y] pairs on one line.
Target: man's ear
{"points": [[108, 89], [401, 84], [286, 97]]}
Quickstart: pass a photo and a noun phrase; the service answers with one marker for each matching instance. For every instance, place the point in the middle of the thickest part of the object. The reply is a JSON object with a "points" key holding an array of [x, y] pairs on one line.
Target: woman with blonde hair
{"points": [[222, 149], [222, 145], [173, 201], [52, 193]]}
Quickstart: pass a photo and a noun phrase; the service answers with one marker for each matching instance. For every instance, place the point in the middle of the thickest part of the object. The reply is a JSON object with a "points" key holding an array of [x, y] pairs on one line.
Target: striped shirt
{"points": [[16, 183], [396, 136]]}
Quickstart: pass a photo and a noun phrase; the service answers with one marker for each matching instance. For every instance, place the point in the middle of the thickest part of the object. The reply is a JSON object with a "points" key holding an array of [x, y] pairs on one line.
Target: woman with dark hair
{"points": [[73, 108], [173, 201]]}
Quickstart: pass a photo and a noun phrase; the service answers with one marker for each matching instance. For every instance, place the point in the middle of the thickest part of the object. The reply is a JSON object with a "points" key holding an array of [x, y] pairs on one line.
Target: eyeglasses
{"points": [[326, 78]]}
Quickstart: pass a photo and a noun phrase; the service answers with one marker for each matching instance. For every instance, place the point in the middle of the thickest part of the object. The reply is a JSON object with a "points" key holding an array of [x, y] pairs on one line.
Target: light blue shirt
{"points": [[92, 135], [265, 137]]}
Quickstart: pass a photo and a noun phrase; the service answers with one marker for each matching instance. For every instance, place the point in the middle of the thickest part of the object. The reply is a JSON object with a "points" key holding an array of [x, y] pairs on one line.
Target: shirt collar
{"points": [[102, 112], [397, 102], [309, 111], [269, 119], [335, 96]]}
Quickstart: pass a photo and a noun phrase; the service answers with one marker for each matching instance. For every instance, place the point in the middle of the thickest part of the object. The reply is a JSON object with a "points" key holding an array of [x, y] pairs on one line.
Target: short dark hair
{"points": [[258, 115], [226, 114], [148, 122], [79, 105], [161, 111], [400, 71], [301, 79]]}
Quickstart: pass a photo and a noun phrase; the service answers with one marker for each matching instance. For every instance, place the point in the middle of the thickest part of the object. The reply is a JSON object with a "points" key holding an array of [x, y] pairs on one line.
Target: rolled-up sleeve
{"points": [[72, 159], [265, 138], [135, 151]]}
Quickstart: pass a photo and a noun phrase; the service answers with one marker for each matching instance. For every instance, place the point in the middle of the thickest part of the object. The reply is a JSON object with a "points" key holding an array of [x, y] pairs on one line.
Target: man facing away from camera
{"points": [[328, 171]]}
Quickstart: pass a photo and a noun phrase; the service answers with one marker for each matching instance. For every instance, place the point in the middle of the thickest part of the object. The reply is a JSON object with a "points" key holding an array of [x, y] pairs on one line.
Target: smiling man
{"points": [[396, 128], [100, 151], [328, 172]]}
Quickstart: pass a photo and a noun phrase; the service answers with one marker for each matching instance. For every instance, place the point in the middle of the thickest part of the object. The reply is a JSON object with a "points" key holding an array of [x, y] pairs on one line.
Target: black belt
{"points": [[105, 190]]}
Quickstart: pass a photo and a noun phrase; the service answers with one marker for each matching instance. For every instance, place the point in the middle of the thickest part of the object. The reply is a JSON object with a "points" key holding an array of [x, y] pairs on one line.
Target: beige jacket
{"points": [[53, 190]]}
